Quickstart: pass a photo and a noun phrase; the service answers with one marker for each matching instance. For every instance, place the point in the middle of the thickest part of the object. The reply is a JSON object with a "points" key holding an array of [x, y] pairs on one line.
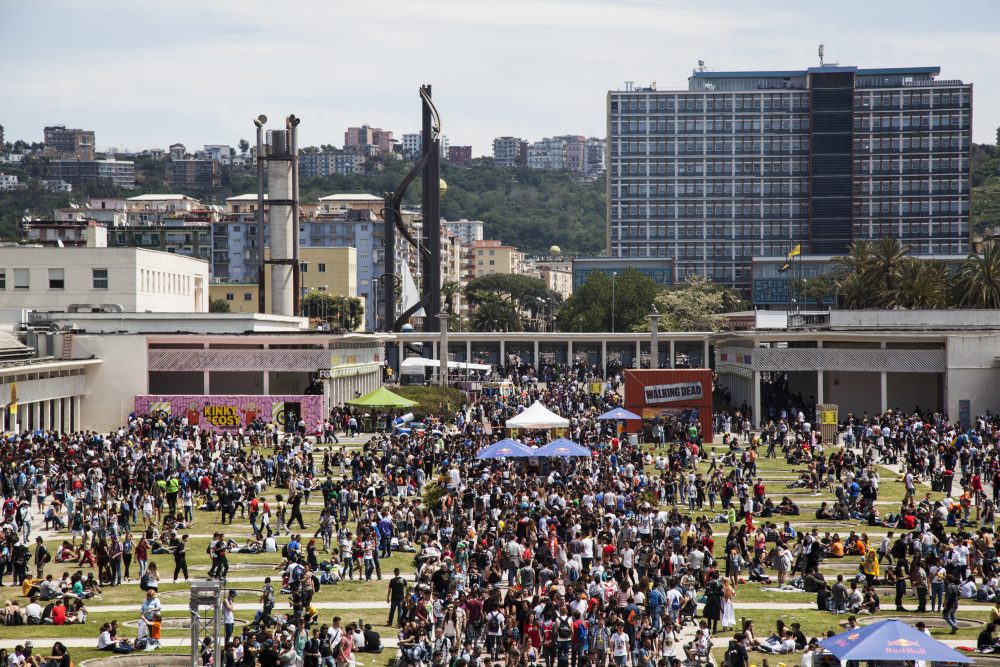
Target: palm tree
{"points": [[889, 256], [854, 291], [978, 284], [920, 284], [494, 314]]}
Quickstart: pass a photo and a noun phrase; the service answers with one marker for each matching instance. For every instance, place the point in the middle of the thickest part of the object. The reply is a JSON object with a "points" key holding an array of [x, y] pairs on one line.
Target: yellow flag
{"points": [[797, 250]]}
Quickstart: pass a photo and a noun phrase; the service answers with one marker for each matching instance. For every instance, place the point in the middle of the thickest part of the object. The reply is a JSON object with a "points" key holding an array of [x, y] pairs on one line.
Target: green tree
{"points": [[921, 283], [978, 283], [696, 305], [605, 303], [218, 306], [817, 289], [244, 147], [342, 313], [494, 314]]}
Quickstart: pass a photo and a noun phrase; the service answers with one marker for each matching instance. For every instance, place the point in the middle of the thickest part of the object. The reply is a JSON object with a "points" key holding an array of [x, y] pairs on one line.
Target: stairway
{"points": [[67, 345]]}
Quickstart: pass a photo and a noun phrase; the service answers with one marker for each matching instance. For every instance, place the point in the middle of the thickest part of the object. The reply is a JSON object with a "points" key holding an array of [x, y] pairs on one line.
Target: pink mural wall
{"points": [[229, 412]]}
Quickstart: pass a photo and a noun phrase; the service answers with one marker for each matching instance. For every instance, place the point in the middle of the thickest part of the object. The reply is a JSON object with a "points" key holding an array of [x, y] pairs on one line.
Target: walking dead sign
{"points": [[669, 393]]}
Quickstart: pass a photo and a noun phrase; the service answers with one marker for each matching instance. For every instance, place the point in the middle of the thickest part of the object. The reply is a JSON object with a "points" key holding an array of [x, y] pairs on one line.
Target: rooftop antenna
{"points": [[820, 55], [701, 65]]}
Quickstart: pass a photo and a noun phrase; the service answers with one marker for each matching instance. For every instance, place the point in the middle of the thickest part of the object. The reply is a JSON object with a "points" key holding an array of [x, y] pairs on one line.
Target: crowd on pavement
{"points": [[606, 559]]}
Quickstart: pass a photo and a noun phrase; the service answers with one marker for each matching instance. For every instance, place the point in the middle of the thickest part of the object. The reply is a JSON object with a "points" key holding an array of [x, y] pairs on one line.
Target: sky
{"points": [[149, 73]]}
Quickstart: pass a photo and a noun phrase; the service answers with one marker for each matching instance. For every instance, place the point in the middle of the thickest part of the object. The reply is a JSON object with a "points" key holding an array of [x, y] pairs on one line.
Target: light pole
{"points": [[654, 344], [443, 316], [614, 275]]}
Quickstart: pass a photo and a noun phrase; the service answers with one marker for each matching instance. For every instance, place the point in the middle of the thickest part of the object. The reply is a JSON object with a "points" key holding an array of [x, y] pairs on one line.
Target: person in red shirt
{"points": [[59, 612]]}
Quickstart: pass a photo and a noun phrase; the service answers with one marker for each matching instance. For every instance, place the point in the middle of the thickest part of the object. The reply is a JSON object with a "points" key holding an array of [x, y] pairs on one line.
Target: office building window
{"points": [[321, 267], [57, 279], [229, 296], [100, 277], [22, 278], [3, 279], [303, 268], [247, 296]]}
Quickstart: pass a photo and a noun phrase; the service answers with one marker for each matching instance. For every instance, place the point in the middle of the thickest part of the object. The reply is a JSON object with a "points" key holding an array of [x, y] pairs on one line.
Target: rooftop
{"points": [[249, 197], [162, 198], [352, 197], [878, 71]]}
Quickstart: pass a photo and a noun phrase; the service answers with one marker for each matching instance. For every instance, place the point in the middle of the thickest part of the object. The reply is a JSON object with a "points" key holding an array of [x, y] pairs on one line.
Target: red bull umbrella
{"points": [[890, 640]]}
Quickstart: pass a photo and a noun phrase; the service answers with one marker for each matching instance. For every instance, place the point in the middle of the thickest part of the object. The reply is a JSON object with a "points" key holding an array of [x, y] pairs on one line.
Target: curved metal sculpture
{"points": [[429, 249]]}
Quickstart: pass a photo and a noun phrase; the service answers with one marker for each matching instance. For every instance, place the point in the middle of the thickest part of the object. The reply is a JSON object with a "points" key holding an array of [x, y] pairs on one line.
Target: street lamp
{"points": [[613, 276], [443, 316], [654, 344]]}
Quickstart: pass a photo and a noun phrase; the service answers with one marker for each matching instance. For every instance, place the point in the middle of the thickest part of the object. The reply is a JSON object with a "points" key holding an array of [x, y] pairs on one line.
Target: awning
{"points": [[537, 416], [417, 364], [890, 640]]}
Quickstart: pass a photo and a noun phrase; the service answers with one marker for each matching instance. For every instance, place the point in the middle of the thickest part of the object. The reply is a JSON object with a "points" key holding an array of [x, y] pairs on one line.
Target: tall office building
{"points": [[747, 164]]}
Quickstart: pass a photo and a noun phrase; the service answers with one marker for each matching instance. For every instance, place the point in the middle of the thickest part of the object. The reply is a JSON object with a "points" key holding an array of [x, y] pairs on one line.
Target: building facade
{"points": [[740, 163], [659, 269], [77, 172], [510, 152], [64, 143], [459, 155], [491, 256], [135, 279], [193, 174]]}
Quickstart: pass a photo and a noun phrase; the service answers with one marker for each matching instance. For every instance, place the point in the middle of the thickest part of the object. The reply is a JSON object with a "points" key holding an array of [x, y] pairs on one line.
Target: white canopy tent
{"points": [[537, 416], [413, 365]]}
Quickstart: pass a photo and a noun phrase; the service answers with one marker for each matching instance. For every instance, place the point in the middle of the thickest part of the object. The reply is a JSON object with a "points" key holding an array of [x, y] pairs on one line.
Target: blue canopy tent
{"points": [[890, 640], [562, 447], [507, 448], [618, 414]]}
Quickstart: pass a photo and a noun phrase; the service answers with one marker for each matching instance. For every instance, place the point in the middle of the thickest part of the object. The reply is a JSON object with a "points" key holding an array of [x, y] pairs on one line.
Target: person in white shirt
{"points": [[619, 646], [33, 612]]}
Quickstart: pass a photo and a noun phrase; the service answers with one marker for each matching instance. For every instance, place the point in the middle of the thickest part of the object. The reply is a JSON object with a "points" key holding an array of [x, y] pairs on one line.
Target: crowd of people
{"points": [[578, 561]]}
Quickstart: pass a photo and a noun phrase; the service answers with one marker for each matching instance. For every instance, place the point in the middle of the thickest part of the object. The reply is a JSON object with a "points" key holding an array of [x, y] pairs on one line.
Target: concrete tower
{"points": [[281, 165]]}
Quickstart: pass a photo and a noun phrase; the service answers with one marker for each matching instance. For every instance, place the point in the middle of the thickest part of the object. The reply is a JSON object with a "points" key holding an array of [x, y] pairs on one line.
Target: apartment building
{"points": [[64, 143], [78, 171], [199, 174], [510, 152], [459, 155], [368, 136], [492, 256], [746, 164]]}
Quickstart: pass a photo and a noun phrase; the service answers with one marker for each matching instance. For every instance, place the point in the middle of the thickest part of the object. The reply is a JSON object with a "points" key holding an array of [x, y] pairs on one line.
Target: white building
{"points": [[469, 231], [412, 144], [218, 152], [56, 185], [132, 279], [9, 182]]}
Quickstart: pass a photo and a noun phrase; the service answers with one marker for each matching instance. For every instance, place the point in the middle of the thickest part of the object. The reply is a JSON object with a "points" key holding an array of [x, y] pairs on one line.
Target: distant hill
{"points": [[526, 208], [985, 187]]}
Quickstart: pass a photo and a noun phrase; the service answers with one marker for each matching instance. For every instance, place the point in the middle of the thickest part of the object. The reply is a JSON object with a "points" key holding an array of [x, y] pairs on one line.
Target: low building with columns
{"points": [[40, 392], [196, 358]]}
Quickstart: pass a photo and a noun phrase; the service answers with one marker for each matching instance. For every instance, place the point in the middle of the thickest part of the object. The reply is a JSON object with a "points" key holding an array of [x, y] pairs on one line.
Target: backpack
{"points": [[144, 582], [732, 658], [581, 632], [493, 623], [565, 631]]}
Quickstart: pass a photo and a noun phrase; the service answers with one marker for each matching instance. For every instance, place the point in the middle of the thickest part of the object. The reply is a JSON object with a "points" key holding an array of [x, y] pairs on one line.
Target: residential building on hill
{"points": [[64, 143]]}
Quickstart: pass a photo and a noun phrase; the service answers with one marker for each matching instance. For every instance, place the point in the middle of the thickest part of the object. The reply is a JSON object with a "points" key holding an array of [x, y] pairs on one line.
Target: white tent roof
{"points": [[413, 364], [537, 416]]}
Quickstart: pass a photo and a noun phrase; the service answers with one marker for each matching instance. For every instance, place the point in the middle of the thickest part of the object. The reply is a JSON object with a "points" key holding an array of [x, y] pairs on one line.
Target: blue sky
{"points": [[145, 73]]}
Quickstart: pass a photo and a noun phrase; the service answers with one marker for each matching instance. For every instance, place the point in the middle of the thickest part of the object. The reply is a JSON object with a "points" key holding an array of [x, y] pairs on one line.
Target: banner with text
{"points": [[230, 412], [669, 393]]}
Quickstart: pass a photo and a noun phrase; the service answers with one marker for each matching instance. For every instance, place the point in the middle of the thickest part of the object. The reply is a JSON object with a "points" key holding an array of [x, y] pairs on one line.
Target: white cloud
{"points": [[148, 72]]}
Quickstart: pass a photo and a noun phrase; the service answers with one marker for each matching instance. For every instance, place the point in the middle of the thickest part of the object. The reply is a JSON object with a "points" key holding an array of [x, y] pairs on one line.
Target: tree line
{"points": [[883, 274]]}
